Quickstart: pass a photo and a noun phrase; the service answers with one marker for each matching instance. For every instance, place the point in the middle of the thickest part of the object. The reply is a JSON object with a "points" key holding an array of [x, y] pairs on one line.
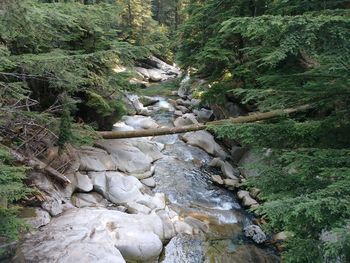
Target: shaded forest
{"points": [[60, 85]]}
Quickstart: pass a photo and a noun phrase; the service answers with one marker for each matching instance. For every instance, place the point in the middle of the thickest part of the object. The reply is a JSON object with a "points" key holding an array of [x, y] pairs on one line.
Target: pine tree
{"points": [[278, 54]]}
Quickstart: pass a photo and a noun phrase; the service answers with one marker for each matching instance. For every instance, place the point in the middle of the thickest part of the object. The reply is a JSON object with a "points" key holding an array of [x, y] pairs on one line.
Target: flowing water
{"points": [[184, 176]]}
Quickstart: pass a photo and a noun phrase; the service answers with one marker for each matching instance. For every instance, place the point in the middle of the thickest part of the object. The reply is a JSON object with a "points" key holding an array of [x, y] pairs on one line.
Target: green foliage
{"points": [[272, 55], [65, 135], [12, 189]]}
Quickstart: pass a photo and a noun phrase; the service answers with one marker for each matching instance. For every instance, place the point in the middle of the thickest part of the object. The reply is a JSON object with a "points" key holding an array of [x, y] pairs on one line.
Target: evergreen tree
{"points": [[279, 54]]}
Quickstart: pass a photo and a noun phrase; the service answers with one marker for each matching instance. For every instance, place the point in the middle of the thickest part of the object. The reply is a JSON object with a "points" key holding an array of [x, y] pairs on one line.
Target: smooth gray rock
{"points": [[178, 113], [205, 141], [217, 179], [182, 109], [182, 102], [226, 168], [83, 182], [140, 122], [94, 159], [40, 219], [53, 206], [127, 157], [121, 126], [204, 115], [150, 182], [148, 101], [143, 72], [247, 200], [96, 235], [92, 199], [185, 120]]}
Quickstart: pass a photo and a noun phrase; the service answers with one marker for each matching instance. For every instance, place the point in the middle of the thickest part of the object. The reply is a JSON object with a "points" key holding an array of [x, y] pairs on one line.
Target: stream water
{"points": [[185, 177]]}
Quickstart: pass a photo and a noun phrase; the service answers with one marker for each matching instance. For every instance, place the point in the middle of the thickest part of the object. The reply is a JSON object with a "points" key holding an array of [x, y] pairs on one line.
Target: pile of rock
{"points": [[107, 215], [156, 70]]}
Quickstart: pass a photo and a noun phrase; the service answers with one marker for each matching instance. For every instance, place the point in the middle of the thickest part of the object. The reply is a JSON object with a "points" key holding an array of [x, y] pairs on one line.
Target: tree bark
{"points": [[190, 128]]}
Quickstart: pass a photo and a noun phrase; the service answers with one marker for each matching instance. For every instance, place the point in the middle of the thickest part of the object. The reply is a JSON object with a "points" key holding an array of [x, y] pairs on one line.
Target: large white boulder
{"points": [[83, 182], [185, 120], [133, 156], [226, 168], [38, 217], [121, 126], [95, 235], [94, 159], [205, 141], [128, 158], [92, 199], [139, 122]]}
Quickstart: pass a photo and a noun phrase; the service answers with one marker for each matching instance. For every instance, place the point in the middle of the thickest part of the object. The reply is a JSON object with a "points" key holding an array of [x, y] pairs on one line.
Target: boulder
{"points": [[125, 190], [121, 126], [54, 194], [143, 72], [255, 233], [136, 208], [231, 182], [53, 206], [127, 157], [205, 141], [116, 187], [204, 115], [178, 113], [94, 159], [185, 120], [155, 75], [182, 102], [140, 122], [183, 109], [88, 200], [95, 235], [148, 101], [150, 182], [195, 103], [83, 182], [168, 69], [168, 226], [217, 179], [37, 218], [247, 200], [226, 168], [122, 189]]}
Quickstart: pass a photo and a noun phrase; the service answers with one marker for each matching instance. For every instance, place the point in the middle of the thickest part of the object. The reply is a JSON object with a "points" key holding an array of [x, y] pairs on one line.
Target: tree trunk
{"points": [[190, 128]]}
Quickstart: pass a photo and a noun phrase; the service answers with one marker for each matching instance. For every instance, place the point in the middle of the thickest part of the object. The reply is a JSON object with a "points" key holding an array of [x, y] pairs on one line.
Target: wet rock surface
{"points": [[149, 200]]}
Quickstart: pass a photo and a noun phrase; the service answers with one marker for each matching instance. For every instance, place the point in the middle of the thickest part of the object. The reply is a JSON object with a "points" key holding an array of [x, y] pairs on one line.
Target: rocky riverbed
{"points": [[157, 199]]}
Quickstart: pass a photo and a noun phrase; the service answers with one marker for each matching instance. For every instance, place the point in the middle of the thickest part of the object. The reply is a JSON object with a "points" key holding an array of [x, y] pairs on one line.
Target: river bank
{"points": [[156, 199]]}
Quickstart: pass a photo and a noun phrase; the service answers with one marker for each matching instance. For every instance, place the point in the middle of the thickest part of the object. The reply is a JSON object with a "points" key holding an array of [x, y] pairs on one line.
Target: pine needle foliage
{"points": [[12, 189], [278, 54]]}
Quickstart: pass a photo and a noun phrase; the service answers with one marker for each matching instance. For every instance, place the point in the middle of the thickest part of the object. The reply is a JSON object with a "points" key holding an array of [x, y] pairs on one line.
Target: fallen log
{"points": [[196, 127]]}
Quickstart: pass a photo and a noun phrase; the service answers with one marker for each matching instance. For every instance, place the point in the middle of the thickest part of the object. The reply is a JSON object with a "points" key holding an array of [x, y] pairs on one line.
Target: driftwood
{"points": [[39, 165], [190, 128]]}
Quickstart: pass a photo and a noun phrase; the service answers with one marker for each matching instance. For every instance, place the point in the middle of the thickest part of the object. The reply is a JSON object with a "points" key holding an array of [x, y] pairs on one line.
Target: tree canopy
{"points": [[58, 79], [277, 54]]}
